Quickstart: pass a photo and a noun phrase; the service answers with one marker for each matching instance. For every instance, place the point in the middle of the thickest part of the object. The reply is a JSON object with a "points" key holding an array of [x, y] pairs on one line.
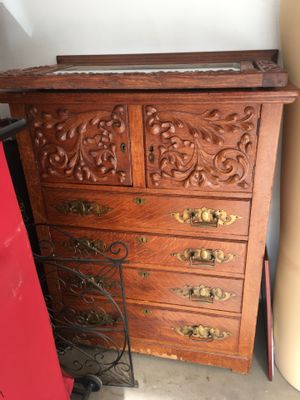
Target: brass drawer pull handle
{"points": [[144, 274], [82, 207], [202, 333], [142, 239], [139, 200], [205, 217], [83, 245], [203, 293], [99, 318], [204, 257], [146, 311]]}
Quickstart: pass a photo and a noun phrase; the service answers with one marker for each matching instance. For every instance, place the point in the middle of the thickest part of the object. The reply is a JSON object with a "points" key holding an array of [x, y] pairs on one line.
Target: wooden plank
{"points": [[137, 145], [268, 143], [153, 58], [284, 95]]}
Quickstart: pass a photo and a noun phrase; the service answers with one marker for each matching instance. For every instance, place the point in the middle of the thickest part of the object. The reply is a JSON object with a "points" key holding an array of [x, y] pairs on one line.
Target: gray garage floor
{"points": [[161, 379]]}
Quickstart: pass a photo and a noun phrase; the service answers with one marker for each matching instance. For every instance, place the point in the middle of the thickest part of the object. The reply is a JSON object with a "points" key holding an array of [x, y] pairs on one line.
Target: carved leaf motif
{"points": [[203, 158], [82, 147]]}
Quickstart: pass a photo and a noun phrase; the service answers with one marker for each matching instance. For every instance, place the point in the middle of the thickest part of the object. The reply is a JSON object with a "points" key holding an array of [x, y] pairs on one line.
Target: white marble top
{"points": [[125, 69]]}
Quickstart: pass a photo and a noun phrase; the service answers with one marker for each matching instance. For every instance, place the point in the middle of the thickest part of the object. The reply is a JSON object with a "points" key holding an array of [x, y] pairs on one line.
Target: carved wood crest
{"points": [[85, 146], [212, 148]]}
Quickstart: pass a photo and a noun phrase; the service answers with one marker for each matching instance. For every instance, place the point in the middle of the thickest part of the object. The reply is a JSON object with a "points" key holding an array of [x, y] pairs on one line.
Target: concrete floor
{"points": [[162, 379]]}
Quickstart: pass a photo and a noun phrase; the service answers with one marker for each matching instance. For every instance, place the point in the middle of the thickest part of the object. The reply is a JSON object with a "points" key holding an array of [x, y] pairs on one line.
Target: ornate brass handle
{"points": [[82, 207], [99, 318], [202, 333], [203, 293], [84, 245], [77, 284], [204, 217], [204, 257]]}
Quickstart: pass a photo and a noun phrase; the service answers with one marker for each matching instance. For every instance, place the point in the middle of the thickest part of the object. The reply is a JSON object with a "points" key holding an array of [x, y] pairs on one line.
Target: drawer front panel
{"points": [[184, 289], [176, 253], [201, 147], [168, 326], [190, 330], [81, 144], [160, 214]]}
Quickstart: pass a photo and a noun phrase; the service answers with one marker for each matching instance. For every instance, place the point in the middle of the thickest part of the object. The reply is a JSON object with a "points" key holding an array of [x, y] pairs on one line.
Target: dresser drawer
{"points": [[182, 329], [79, 143], [183, 289], [148, 213], [201, 146], [170, 252]]}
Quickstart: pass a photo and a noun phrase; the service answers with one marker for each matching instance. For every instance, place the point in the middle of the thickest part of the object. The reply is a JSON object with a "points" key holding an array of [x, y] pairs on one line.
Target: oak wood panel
{"points": [[29, 165], [277, 95], [154, 58], [234, 362], [152, 191], [161, 251], [268, 144], [145, 212], [159, 324], [201, 147], [170, 287], [81, 143], [34, 79], [33, 183], [137, 145]]}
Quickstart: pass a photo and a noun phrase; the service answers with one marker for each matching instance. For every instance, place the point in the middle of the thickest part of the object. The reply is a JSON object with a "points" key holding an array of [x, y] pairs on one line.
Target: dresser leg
{"points": [[241, 367]]}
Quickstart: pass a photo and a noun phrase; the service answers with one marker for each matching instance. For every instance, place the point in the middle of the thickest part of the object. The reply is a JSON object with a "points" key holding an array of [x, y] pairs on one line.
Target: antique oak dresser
{"points": [[173, 154]]}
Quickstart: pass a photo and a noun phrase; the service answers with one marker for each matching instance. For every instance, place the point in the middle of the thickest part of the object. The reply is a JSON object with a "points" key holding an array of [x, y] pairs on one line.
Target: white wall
{"points": [[33, 32], [49, 27]]}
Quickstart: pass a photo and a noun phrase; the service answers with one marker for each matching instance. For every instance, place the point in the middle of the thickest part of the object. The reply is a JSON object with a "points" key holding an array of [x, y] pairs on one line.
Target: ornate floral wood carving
{"points": [[213, 148], [268, 66], [85, 146]]}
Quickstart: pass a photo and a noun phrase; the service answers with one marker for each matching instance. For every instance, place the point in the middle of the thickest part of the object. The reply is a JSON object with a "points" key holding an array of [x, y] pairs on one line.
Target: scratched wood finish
{"points": [[206, 147], [146, 213], [143, 250], [151, 331]]}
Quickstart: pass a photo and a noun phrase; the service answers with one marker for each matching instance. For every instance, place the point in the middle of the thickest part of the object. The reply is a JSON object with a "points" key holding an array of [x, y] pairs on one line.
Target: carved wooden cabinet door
{"points": [[81, 144], [201, 147]]}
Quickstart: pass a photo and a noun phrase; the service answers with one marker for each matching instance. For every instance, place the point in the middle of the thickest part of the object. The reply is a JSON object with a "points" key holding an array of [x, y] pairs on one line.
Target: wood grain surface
{"points": [[146, 213]]}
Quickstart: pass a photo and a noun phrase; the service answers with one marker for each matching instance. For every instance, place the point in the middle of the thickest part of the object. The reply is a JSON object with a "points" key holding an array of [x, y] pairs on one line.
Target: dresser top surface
{"points": [[217, 70]]}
